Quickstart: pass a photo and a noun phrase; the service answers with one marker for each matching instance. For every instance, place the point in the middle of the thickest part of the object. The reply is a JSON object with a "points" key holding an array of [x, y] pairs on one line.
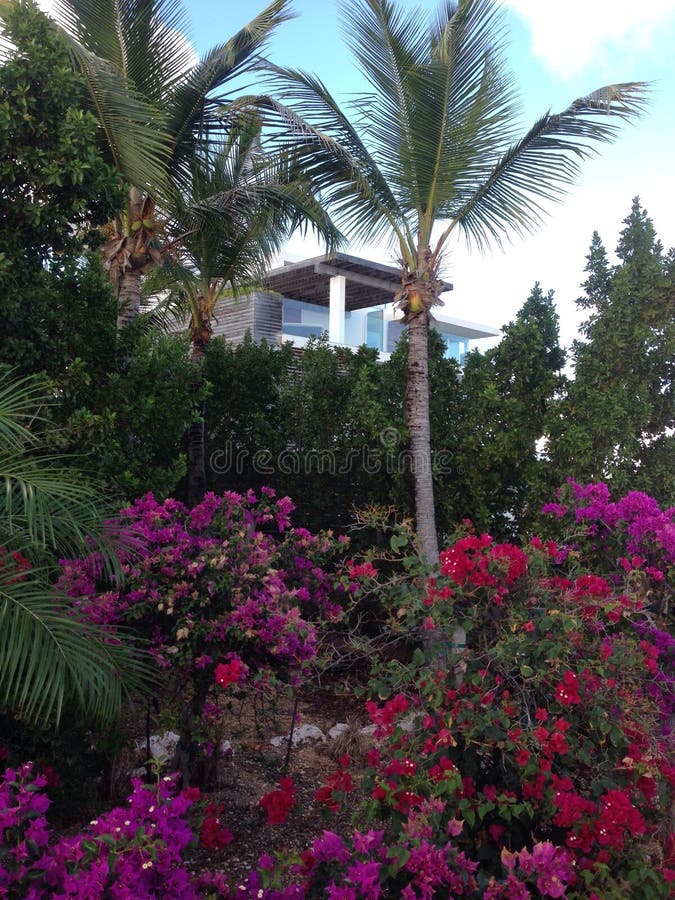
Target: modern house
{"points": [[347, 298]]}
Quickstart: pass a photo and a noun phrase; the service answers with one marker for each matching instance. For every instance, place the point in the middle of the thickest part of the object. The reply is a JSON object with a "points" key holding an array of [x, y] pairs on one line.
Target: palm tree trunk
{"points": [[419, 428], [200, 328], [196, 474], [130, 283], [129, 297]]}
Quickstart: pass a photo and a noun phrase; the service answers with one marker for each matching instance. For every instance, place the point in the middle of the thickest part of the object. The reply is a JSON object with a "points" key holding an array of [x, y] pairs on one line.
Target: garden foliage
{"points": [[535, 763], [54, 191]]}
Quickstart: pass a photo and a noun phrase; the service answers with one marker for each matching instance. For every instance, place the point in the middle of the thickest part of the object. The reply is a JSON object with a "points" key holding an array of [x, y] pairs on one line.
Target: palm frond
{"points": [[389, 44], [544, 163], [242, 206], [336, 160], [143, 40], [465, 104], [49, 659], [45, 503], [21, 401], [192, 100], [136, 141], [48, 502], [443, 99]]}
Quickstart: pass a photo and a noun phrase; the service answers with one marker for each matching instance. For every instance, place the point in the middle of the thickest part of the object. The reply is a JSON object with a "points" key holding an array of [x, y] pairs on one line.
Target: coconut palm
{"points": [[433, 151], [49, 657], [242, 205], [155, 103]]}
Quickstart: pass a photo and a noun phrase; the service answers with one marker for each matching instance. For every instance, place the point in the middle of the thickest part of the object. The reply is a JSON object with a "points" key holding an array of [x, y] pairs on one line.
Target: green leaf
{"points": [[397, 542]]}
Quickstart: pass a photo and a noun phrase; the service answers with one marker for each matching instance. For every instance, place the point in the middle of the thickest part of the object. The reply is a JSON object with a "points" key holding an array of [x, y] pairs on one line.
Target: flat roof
{"points": [[463, 327], [367, 283]]}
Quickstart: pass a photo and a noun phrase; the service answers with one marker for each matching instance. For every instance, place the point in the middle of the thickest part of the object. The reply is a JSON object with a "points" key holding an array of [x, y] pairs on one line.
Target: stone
{"points": [[162, 746], [337, 730], [302, 734]]}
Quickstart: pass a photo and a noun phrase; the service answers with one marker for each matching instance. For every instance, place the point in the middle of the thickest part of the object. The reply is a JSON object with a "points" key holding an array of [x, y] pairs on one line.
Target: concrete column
{"points": [[336, 311], [385, 334]]}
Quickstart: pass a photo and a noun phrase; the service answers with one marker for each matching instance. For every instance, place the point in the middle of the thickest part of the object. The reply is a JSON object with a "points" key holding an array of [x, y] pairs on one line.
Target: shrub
{"points": [[536, 763], [133, 851], [227, 594]]}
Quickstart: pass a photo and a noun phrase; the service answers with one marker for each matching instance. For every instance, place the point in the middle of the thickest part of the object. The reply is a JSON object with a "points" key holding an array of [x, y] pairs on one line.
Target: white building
{"points": [[347, 298]]}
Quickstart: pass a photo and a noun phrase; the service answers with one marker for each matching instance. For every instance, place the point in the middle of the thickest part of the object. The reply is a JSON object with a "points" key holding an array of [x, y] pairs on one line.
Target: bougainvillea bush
{"points": [[226, 593], [633, 533], [537, 762], [133, 852]]}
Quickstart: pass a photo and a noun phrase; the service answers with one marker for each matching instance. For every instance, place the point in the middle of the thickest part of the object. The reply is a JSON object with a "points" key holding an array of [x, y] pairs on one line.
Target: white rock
{"points": [[368, 729], [338, 729], [301, 734], [162, 746]]}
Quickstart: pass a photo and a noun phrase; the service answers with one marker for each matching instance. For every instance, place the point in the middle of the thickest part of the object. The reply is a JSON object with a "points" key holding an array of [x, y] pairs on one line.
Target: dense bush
{"points": [[537, 764], [328, 427]]}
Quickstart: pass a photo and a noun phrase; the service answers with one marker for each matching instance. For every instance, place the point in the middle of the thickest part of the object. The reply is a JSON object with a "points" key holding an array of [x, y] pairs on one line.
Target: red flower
{"points": [[278, 804], [496, 831], [52, 776], [339, 782], [229, 673], [212, 834], [567, 692], [19, 564], [365, 570], [557, 744]]}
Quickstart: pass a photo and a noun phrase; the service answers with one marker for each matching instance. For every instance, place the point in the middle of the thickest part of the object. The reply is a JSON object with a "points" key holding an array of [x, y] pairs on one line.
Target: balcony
{"points": [[350, 301]]}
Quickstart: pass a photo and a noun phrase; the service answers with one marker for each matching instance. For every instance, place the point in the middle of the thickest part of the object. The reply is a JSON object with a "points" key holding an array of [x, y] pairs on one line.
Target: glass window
{"points": [[394, 332], [303, 319], [457, 347], [374, 329], [354, 328]]}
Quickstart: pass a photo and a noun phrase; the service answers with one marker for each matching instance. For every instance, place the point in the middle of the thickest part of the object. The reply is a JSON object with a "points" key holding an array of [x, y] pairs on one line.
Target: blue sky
{"points": [[558, 51]]}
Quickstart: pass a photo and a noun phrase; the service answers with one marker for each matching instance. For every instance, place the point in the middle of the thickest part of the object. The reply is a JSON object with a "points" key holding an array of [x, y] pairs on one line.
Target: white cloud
{"points": [[568, 36]]}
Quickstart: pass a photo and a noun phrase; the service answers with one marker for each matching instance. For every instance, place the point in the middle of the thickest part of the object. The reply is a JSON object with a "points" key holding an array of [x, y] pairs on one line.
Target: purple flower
{"points": [[330, 846]]}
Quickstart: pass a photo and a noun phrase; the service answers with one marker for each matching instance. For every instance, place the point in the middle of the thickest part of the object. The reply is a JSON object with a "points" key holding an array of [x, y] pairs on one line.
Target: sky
{"points": [[557, 51]]}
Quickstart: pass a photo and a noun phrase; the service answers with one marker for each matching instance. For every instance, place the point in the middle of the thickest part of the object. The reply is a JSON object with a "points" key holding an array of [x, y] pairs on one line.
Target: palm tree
{"points": [[50, 658], [433, 150], [155, 105], [242, 205]]}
